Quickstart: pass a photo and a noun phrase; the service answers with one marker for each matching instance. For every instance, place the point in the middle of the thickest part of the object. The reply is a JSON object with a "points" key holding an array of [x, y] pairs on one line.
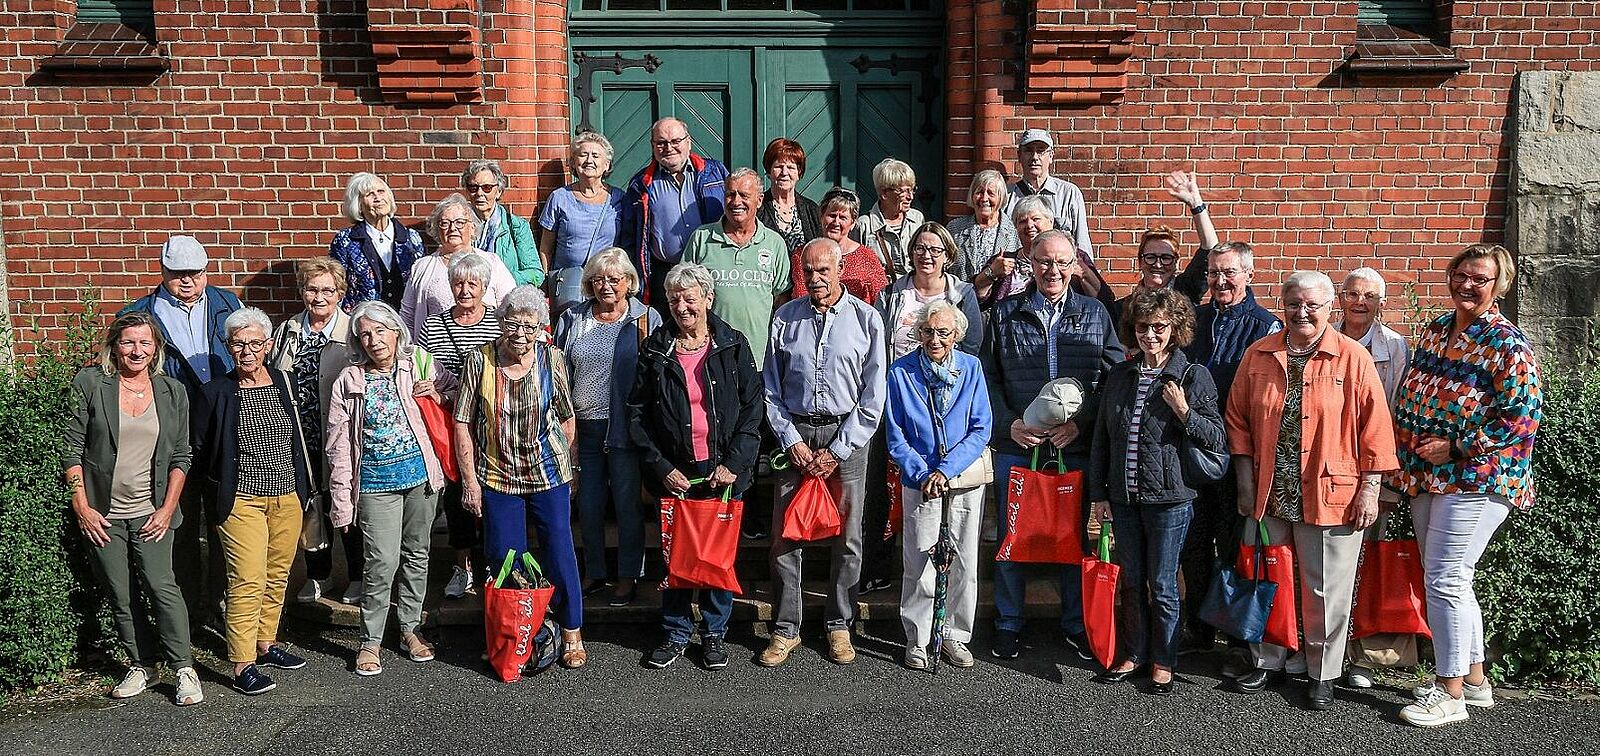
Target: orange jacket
{"points": [[1345, 431]]}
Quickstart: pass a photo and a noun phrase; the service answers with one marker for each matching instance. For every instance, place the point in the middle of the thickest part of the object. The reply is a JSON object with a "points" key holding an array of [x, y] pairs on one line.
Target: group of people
{"points": [[695, 328]]}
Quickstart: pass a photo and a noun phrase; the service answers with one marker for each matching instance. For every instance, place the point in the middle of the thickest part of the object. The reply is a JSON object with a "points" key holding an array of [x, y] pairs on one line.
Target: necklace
{"points": [[136, 392], [690, 346], [1305, 350]]}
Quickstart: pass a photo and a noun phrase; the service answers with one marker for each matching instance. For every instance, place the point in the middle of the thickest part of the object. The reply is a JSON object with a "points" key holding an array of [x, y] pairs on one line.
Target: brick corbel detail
{"points": [[426, 50], [1077, 51]]}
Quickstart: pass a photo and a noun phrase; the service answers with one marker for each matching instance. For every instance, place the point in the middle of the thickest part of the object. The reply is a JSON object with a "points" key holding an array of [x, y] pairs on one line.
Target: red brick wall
{"points": [[1313, 171]]}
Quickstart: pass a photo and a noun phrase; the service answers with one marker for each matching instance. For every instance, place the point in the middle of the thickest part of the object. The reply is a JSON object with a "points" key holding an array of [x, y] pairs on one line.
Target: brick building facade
{"points": [[1325, 142]]}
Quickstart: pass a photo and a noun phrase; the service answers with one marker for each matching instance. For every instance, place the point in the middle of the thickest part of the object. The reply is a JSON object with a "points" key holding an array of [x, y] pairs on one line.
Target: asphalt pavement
{"points": [[1041, 703]]}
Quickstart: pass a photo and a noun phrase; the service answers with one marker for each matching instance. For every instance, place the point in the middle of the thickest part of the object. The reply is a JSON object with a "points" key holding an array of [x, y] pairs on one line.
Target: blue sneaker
{"points": [[277, 657], [253, 682]]}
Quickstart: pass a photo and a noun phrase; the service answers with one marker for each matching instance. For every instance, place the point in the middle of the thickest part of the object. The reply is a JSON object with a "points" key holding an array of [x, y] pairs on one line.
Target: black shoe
{"points": [[754, 531], [1320, 695], [876, 584], [1255, 681], [713, 653], [1079, 643], [277, 657], [1161, 688], [253, 682], [624, 599], [1110, 676], [1005, 645], [1238, 664], [594, 587], [1196, 641], [665, 654]]}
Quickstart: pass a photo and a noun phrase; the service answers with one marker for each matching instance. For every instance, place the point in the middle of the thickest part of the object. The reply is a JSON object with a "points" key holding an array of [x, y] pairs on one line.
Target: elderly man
{"points": [[1044, 333], [191, 314], [746, 258], [665, 202], [824, 377], [1035, 157], [1224, 329]]}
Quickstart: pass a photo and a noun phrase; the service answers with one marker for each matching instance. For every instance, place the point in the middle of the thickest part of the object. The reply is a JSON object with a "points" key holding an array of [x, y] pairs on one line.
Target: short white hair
{"points": [[1305, 280], [829, 244], [470, 266], [688, 275], [359, 185], [377, 311], [943, 305], [1032, 204], [246, 317], [983, 178], [892, 172], [1369, 275], [525, 300]]}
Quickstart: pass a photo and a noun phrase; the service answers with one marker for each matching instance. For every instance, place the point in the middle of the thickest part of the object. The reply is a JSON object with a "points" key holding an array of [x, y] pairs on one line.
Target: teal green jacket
{"points": [[514, 245], [92, 436]]}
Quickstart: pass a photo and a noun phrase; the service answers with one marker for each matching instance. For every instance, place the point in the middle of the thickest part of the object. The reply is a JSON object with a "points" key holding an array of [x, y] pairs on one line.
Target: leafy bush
{"points": [[50, 607], [1539, 582]]}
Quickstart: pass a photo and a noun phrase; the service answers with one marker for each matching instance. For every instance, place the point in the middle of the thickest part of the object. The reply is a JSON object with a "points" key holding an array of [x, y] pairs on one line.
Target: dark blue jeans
{"points": [[1011, 578], [608, 476], [716, 605], [1149, 543], [505, 528]]}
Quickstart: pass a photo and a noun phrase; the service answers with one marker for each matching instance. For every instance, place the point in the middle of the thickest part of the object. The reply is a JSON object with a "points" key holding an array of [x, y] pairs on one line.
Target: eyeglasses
{"points": [[1350, 296], [598, 281], [254, 345], [322, 291], [513, 326], [941, 333], [840, 191], [179, 275], [1304, 306], [484, 188], [1462, 279], [1155, 328], [927, 251], [1228, 273], [663, 144], [1162, 260], [1054, 264], [451, 225], [900, 190]]}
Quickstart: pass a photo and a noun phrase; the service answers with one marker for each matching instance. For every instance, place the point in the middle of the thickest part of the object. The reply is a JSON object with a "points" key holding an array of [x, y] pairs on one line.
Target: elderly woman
{"points": [[501, 232], [126, 460], [455, 224], [310, 349], [600, 338], [1136, 481], [933, 252], [377, 252], [1469, 409], [984, 235], [449, 336], [385, 477], [695, 412], [513, 445], [887, 230], [579, 219], [1008, 272], [1311, 436], [783, 208], [863, 273], [938, 423], [250, 452]]}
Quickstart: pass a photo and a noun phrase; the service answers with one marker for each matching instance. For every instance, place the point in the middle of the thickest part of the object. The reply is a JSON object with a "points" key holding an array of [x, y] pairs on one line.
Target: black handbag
{"points": [[1200, 464]]}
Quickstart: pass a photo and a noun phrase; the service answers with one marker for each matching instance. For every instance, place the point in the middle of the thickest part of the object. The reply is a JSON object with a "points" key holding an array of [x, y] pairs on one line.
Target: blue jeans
{"points": [[1149, 544], [716, 604], [505, 528], [608, 475], [1011, 578]]}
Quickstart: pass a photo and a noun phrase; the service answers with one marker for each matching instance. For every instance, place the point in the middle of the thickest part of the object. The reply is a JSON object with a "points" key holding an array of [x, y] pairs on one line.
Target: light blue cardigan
{"points": [[965, 429]]}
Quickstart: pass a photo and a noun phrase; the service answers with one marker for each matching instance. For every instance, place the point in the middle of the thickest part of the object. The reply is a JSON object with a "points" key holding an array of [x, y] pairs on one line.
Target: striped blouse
{"points": [[1487, 402], [1130, 456], [516, 424]]}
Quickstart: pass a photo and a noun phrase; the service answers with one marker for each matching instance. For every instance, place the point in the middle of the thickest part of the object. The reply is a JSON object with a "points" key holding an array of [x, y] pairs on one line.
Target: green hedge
{"points": [[1539, 582], [51, 612]]}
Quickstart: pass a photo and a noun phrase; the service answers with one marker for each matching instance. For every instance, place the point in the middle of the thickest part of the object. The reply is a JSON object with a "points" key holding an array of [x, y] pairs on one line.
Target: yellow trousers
{"points": [[259, 538]]}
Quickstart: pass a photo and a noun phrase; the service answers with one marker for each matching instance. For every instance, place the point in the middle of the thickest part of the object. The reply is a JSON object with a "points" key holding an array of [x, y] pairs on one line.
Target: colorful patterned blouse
{"points": [[516, 423], [1486, 402]]}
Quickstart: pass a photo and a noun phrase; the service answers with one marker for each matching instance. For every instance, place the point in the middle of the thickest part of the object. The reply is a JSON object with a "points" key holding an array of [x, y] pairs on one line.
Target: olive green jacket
{"points": [[92, 436]]}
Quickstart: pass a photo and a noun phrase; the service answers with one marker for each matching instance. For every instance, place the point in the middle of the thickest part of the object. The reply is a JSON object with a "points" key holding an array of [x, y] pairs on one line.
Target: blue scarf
{"points": [[941, 380]]}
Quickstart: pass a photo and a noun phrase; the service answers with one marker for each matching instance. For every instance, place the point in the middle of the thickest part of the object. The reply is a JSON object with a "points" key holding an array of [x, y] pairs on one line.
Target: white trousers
{"points": [[1453, 530], [920, 533], [1326, 558]]}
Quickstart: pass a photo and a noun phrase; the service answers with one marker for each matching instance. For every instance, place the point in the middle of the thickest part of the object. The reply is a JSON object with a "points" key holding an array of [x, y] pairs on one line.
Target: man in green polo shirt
{"points": [[747, 259]]}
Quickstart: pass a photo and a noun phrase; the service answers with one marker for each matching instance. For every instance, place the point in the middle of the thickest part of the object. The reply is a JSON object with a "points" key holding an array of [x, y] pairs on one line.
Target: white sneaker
{"points": [[309, 593], [1358, 677], [1436, 710], [957, 653], [352, 592], [133, 683], [1481, 696], [916, 658], [189, 692], [460, 583]]}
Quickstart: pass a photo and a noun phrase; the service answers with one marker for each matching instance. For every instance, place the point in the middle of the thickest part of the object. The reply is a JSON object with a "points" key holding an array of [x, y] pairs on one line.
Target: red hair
{"points": [[784, 148]]}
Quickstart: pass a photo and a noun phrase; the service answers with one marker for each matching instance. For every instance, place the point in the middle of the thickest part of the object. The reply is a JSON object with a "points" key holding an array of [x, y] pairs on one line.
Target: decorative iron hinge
{"points": [[928, 66], [587, 65]]}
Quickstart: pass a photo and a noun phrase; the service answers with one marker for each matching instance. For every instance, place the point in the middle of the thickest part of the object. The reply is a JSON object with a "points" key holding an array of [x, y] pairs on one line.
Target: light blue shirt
{"points": [[826, 362], [581, 229], [1051, 311], [187, 330], [674, 214]]}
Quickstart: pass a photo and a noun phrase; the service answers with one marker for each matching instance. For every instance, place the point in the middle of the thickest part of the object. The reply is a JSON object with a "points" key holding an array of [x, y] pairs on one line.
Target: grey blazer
{"points": [[92, 436]]}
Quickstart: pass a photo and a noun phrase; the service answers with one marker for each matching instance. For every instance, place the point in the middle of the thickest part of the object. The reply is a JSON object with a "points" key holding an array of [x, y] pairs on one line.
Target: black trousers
{"points": [[1213, 541]]}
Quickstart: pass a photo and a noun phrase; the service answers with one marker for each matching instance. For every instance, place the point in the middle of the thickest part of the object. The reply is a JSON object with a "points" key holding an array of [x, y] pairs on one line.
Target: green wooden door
{"points": [[835, 86]]}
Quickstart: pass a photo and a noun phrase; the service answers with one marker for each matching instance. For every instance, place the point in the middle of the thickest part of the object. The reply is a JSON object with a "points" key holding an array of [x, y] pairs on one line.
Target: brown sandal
{"points": [[367, 662], [573, 654]]}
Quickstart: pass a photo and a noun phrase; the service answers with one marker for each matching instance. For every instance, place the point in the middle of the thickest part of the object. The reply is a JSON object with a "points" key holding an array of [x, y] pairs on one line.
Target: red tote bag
{"points": [[512, 616], [1100, 601], [812, 514], [1283, 624], [1044, 516], [438, 419], [700, 540], [1389, 595]]}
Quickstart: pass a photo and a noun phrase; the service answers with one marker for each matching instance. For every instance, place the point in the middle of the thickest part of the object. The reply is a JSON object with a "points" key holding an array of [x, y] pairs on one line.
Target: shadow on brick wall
{"points": [[346, 49]]}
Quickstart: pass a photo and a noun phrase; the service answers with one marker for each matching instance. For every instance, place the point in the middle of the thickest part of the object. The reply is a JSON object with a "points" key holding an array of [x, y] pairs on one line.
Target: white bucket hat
{"points": [[1058, 401]]}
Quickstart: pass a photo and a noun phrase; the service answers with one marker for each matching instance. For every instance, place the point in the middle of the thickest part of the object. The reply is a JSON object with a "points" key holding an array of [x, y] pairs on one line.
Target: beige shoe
{"points": [[777, 652], [367, 662], [418, 649], [840, 649]]}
